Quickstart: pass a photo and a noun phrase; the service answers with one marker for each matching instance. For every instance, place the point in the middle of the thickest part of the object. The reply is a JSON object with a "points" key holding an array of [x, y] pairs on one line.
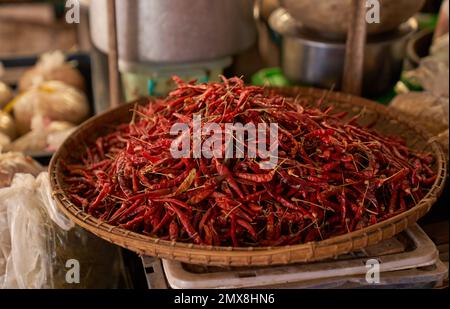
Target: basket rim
{"points": [[149, 245]]}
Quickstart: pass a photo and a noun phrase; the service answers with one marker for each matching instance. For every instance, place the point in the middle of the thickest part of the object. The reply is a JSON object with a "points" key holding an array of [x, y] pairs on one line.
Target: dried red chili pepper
{"points": [[332, 176]]}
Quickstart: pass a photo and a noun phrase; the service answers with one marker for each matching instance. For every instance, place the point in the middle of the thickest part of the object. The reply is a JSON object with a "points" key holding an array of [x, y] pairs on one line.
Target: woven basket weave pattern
{"points": [[386, 122]]}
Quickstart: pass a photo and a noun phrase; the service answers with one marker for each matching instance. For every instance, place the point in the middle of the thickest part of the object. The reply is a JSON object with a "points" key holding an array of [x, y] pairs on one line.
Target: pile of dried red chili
{"points": [[332, 177]]}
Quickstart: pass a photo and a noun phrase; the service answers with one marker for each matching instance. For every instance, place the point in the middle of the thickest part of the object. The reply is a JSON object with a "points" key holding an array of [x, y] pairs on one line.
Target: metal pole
{"points": [[113, 55]]}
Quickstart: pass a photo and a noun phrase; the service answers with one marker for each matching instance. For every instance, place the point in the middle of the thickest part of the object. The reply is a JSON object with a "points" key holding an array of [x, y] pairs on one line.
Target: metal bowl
{"points": [[309, 59], [332, 16]]}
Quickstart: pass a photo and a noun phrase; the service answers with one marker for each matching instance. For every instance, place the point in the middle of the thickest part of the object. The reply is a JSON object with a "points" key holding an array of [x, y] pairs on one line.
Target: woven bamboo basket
{"points": [[386, 122]]}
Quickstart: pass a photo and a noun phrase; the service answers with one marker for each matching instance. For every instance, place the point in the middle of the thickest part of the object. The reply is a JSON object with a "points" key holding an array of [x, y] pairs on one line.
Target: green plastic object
{"points": [[427, 20], [270, 77]]}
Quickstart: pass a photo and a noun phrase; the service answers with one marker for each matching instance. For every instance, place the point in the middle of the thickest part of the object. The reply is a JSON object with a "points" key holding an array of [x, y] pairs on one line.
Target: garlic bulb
{"points": [[5, 94], [52, 100], [7, 125], [52, 66]]}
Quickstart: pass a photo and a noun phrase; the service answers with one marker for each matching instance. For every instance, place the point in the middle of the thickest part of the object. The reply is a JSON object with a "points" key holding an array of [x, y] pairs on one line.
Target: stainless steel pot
{"points": [[176, 31], [312, 60], [332, 16]]}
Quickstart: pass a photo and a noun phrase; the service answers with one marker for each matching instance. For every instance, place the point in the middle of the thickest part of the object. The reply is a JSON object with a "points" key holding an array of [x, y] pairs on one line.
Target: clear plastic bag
{"points": [[45, 135], [36, 241], [53, 100], [16, 162], [52, 66], [428, 111], [27, 264], [433, 71], [429, 108]]}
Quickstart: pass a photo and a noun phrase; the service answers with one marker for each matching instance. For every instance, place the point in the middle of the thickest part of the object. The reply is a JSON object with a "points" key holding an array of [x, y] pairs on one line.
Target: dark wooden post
{"points": [[354, 54], [113, 56]]}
